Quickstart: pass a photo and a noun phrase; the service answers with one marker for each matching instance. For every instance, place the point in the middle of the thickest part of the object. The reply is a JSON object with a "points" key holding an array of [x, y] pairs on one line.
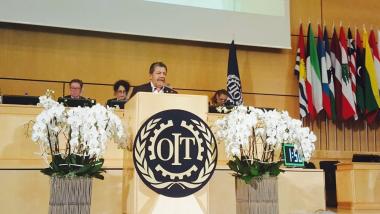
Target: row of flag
{"points": [[340, 77]]}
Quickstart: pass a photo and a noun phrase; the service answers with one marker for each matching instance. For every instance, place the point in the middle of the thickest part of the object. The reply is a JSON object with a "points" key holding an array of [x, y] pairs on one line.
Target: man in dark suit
{"points": [[157, 72], [76, 87], [75, 99]]}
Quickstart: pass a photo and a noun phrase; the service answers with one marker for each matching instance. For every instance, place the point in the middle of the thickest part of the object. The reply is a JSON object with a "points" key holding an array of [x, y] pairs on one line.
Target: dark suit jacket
{"points": [[148, 88], [69, 97]]}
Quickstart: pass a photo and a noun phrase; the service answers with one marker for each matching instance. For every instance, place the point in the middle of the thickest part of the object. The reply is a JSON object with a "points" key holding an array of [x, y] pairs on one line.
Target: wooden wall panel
{"points": [[102, 58], [357, 132], [351, 13], [33, 88], [305, 12], [377, 141]]}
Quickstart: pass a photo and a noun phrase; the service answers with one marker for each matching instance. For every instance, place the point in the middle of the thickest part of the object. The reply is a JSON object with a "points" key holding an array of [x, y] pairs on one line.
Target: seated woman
{"points": [[218, 101], [120, 88]]}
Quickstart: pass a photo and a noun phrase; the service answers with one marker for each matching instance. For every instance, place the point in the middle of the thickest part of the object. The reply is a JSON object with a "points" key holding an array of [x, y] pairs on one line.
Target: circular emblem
{"points": [[234, 89], [175, 153]]}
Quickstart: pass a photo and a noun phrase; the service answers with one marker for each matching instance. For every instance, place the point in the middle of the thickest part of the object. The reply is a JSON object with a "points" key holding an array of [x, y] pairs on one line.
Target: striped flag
{"points": [[360, 70], [371, 92], [337, 69], [300, 72], [324, 75], [348, 101], [330, 73], [352, 64], [314, 88]]}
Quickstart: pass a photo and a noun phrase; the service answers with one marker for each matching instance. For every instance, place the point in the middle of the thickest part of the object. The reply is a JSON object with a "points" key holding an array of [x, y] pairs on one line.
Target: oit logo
{"points": [[175, 153], [234, 88]]}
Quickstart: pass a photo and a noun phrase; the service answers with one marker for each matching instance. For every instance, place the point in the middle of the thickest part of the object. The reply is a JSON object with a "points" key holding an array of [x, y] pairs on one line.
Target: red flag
{"points": [[348, 100], [335, 56]]}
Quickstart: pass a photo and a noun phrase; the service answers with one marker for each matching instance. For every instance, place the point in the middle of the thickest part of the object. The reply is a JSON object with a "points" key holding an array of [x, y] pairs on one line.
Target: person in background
{"points": [[120, 89], [220, 99], [157, 84], [76, 88]]}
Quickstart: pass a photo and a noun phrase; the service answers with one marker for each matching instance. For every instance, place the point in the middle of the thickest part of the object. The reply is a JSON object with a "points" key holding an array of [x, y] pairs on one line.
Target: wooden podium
{"points": [[358, 186], [137, 197]]}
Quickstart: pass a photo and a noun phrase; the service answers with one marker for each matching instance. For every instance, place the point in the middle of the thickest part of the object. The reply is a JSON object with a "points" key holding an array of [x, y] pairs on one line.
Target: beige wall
{"points": [[58, 55]]}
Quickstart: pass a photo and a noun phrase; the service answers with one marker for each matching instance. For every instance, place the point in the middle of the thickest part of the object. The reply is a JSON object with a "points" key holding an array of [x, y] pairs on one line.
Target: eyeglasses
{"points": [[75, 88]]}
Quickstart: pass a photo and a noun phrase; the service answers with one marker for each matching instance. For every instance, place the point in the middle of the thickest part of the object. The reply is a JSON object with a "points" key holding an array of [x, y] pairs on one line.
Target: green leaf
{"points": [[232, 166], [98, 176], [254, 171], [247, 179], [48, 171]]}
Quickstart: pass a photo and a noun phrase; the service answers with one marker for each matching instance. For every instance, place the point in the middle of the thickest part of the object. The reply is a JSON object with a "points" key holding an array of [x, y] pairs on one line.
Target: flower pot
{"points": [[70, 195], [258, 197]]}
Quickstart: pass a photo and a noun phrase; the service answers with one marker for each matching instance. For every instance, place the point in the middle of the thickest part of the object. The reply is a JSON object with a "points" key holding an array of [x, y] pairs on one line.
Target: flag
{"points": [[330, 74], [360, 70], [233, 77], [324, 76], [371, 92], [375, 52], [314, 88], [337, 69], [348, 101], [300, 72], [352, 66]]}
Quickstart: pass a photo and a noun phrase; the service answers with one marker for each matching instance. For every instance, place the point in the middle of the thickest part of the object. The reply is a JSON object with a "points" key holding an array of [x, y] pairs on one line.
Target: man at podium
{"points": [[157, 84]]}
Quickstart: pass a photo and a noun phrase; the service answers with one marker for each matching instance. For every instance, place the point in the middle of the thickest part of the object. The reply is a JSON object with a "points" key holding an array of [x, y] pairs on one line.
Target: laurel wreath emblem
{"points": [[142, 164]]}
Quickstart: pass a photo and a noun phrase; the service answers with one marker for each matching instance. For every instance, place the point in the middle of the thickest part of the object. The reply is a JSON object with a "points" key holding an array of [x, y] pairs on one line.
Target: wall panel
{"points": [[33, 88], [304, 11], [102, 58], [351, 13]]}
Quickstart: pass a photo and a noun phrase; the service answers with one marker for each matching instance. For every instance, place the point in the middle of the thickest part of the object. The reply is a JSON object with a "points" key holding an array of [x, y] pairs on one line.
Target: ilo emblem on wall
{"points": [[175, 153]]}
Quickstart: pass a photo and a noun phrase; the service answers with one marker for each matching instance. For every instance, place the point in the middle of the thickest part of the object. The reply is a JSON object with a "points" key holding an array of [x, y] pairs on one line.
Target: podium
{"points": [[358, 186], [137, 197]]}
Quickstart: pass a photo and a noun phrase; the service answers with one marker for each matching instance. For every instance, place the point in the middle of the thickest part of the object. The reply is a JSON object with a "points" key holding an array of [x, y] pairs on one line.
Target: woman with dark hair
{"points": [[219, 99], [120, 88]]}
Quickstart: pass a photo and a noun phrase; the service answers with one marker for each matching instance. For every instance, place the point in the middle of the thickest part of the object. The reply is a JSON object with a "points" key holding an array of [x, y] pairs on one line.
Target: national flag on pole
{"points": [[314, 89], [348, 101], [376, 57], [300, 72], [324, 76], [360, 70], [330, 74], [335, 56], [352, 65], [233, 78], [371, 92]]}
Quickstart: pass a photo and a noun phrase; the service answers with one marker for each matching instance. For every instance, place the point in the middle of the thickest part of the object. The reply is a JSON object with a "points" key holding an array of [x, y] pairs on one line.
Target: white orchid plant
{"points": [[85, 131], [252, 136]]}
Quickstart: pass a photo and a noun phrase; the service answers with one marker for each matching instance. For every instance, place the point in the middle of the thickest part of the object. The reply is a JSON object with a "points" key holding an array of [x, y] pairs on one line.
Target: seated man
{"points": [[120, 89], [75, 99], [76, 86], [157, 72]]}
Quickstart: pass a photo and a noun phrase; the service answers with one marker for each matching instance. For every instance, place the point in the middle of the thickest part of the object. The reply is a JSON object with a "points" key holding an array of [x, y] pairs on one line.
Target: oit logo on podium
{"points": [[175, 153]]}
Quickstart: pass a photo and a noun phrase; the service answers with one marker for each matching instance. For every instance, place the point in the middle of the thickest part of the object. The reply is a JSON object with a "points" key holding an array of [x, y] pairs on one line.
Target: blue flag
{"points": [[233, 78]]}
